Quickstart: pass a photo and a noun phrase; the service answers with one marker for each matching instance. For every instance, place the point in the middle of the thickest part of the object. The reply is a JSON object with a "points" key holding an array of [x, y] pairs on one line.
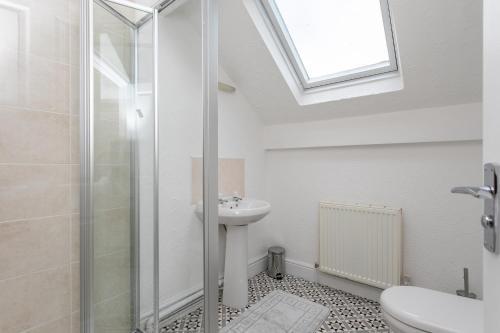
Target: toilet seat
{"points": [[432, 311], [398, 326]]}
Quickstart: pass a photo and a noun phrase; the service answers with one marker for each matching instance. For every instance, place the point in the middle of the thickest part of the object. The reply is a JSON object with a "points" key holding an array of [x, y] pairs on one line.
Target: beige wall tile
{"points": [[34, 83], [33, 137], [75, 188], [75, 139], [62, 325], [231, 177], [31, 245], [111, 186], [74, 90], [111, 142], [74, 17], [75, 238], [107, 110], [34, 299], [49, 25], [48, 86], [14, 93], [111, 276], [28, 191], [113, 315], [196, 179], [43, 29], [111, 231], [38, 190], [75, 322], [75, 287]]}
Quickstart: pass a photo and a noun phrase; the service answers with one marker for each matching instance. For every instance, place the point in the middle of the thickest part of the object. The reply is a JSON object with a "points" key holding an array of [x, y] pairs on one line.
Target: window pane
{"points": [[333, 36]]}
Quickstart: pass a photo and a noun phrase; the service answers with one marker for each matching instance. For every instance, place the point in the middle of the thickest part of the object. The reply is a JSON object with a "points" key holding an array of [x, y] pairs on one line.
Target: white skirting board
{"points": [[257, 265], [185, 302], [308, 272]]}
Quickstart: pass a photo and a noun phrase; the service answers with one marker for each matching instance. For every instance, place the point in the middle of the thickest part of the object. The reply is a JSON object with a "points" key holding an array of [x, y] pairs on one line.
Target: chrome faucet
{"points": [[225, 199]]}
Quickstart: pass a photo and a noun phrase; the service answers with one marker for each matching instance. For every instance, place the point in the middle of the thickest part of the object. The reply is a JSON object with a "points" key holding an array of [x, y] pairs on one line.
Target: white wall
{"points": [[441, 231], [491, 111], [181, 138], [449, 123], [239, 128]]}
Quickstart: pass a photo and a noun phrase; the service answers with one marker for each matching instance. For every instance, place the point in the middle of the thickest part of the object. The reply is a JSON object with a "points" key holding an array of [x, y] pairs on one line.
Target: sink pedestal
{"points": [[236, 213], [236, 267]]}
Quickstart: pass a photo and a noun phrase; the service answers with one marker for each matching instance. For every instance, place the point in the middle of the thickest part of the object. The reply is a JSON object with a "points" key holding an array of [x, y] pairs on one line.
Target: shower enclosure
{"points": [[148, 112]]}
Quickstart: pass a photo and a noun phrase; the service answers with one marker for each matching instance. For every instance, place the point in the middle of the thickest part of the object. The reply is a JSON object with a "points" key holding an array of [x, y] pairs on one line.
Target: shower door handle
{"points": [[488, 192]]}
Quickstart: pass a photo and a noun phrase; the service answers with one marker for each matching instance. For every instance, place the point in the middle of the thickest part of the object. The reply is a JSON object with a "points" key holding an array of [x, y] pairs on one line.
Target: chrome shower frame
{"points": [[210, 156]]}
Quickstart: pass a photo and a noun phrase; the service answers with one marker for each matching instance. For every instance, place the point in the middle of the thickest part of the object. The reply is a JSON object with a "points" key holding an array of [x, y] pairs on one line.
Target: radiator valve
{"points": [[406, 280]]}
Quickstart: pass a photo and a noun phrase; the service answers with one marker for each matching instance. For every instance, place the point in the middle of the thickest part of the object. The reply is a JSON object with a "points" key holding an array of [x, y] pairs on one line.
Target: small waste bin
{"points": [[276, 262]]}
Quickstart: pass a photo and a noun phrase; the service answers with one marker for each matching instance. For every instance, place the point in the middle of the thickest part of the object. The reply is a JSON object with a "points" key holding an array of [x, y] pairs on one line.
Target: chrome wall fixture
{"points": [[210, 157]]}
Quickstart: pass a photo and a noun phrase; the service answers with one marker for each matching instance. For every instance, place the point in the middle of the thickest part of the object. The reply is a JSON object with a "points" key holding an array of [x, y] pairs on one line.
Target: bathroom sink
{"points": [[236, 214], [240, 212]]}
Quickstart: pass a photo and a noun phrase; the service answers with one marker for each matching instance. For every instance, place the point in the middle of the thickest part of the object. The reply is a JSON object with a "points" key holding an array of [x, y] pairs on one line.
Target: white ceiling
{"points": [[149, 3], [440, 45]]}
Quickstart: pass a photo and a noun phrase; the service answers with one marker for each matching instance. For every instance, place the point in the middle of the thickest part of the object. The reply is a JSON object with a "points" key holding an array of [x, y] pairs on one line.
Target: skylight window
{"points": [[331, 41]]}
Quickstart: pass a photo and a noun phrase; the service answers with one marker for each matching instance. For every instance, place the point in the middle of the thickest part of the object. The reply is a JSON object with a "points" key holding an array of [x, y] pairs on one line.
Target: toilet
{"points": [[417, 310]]}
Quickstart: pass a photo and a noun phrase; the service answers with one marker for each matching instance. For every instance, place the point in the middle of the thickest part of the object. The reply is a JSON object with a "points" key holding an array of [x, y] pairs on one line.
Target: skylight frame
{"points": [[285, 40]]}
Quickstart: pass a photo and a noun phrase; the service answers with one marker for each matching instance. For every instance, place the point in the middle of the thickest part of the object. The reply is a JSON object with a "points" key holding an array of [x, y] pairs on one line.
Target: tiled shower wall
{"points": [[39, 171], [231, 177]]}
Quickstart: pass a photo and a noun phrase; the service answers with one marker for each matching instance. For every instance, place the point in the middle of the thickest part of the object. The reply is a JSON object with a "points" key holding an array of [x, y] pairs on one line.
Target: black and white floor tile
{"points": [[348, 313]]}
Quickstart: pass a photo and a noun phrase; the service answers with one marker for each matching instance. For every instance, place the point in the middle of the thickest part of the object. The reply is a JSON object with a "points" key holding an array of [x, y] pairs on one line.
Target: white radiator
{"points": [[361, 243]]}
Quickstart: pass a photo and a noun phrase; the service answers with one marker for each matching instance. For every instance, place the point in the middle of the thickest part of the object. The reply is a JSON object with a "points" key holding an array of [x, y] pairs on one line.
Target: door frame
{"points": [[491, 152]]}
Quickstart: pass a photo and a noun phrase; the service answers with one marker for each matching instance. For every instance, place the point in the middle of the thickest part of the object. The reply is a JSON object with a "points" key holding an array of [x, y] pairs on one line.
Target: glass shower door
{"points": [[120, 163], [113, 102], [132, 162], [181, 285]]}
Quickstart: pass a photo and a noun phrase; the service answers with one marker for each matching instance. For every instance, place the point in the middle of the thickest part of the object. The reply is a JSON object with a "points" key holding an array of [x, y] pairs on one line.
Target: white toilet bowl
{"points": [[417, 310]]}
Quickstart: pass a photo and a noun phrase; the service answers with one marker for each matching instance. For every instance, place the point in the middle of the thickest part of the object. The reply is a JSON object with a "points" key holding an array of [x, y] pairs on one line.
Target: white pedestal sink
{"points": [[236, 215]]}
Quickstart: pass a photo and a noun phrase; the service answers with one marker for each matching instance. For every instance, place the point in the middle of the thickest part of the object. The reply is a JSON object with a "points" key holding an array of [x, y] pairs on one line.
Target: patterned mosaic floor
{"points": [[348, 313]]}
